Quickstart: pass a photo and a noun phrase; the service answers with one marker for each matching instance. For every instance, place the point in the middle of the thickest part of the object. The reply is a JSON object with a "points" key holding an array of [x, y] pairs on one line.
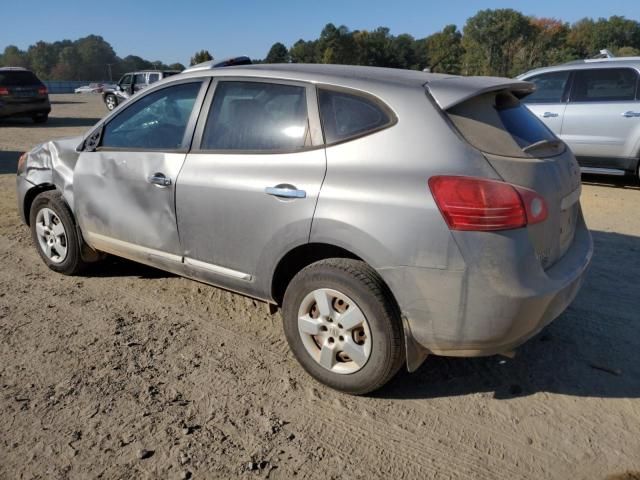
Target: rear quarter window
{"points": [[604, 85], [348, 115]]}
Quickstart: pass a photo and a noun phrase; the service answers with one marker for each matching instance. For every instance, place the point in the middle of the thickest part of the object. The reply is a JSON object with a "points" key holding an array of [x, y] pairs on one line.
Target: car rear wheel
{"points": [[343, 325], [41, 118], [54, 234], [111, 101]]}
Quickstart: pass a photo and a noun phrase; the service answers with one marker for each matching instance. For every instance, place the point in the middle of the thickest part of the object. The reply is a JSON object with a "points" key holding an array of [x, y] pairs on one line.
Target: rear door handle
{"points": [[549, 114], [159, 179], [285, 192], [630, 114]]}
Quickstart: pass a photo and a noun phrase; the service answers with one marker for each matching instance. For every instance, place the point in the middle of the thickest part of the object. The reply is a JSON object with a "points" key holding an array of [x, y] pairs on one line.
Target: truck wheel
{"points": [[40, 118], [54, 234], [343, 325], [111, 101]]}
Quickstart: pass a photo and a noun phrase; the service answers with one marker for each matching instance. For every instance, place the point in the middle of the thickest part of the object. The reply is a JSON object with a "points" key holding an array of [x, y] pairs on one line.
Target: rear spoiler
{"points": [[449, 91]]}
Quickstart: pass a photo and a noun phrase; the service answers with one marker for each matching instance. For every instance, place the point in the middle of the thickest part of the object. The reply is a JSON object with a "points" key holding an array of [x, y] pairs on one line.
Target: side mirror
{"points": [[93, 140]]}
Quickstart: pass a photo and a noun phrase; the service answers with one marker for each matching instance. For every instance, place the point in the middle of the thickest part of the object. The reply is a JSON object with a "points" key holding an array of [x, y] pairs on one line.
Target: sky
{"points": [[172, 31]]}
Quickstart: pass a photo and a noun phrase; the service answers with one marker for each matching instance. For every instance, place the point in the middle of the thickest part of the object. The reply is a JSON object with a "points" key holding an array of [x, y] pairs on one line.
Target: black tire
{"points": [[111, 101], [41, 118], [360, 283], [72, 263]]}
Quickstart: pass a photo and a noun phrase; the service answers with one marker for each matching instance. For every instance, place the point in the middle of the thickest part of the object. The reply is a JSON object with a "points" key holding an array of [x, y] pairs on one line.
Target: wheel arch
{"points": [[30, 196]]}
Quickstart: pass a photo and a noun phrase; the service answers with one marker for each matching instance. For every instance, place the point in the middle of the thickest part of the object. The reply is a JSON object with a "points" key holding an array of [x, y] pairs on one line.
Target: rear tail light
{"points": [[469, 203], [4, 91], [42, 91]]}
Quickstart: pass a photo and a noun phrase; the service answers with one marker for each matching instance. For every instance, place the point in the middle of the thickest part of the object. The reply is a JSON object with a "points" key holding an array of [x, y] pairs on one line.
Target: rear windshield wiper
{"points": [[555, 144]]}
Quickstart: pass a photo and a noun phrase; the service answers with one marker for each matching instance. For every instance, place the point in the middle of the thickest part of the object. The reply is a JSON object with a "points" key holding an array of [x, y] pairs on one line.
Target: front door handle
{"points": [[159, 179], [285, 191], [630, 114], [549, 114]]}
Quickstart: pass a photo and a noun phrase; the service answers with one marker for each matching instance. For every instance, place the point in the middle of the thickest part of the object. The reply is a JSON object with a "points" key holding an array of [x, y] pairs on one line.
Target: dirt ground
{"points": [[126, 362]]}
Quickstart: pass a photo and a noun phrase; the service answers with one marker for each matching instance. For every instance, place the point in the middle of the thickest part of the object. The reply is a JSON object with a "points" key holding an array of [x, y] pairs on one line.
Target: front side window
{"points": [[550, 87], [126, 80], [346, 115], [256, 116], [604, 85], [156, 122]]}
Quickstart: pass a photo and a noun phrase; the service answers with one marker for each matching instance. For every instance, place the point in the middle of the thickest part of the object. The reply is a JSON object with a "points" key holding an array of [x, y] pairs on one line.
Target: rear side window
{"points": [[346, 115], [604, 85], [550, 87], [498, 123], [140, 78], [18, 77], [256, 116], [154, 77]]}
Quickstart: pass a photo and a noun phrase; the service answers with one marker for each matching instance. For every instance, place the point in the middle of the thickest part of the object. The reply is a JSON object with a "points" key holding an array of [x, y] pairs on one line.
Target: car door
{"points": [[139, 82], [125, 84], [602, 115], [549, 100], [124, 180], [248, 189]]}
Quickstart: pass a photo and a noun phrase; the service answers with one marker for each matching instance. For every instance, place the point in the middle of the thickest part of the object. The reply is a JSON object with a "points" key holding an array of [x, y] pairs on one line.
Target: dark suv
{"points": [[22, 94], [131, 83]]}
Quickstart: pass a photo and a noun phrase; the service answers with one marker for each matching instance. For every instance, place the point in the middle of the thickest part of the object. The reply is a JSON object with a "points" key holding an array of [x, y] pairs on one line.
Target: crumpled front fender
{"points": [[52, 163]]}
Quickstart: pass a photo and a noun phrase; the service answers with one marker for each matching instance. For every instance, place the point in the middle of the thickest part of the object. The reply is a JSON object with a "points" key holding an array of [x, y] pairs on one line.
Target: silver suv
{"points": [[594, 106], [391, 214]]}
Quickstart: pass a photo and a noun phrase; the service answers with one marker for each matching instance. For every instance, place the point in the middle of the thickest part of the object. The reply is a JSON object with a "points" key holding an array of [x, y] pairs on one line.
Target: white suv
{"points": [[594, 106]]}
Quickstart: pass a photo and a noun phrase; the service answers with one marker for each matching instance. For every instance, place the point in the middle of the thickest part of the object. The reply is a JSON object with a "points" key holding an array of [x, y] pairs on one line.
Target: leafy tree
{"points": [[628, 52], [68, 64], [95, 54], [201, 56], [278, 53], [14, 57], [303, 52], [492, 39], [336, 45], [374, 48], [444, 50], [547, 45], [176, 66]]}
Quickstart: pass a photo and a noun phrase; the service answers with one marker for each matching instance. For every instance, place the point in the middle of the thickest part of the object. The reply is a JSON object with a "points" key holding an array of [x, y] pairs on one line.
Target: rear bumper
{"points": [[499, 297], [24, 109]]}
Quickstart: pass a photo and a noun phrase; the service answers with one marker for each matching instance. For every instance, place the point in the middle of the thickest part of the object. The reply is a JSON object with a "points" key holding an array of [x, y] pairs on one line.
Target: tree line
{"points": [[501, 42], [88, 58]]}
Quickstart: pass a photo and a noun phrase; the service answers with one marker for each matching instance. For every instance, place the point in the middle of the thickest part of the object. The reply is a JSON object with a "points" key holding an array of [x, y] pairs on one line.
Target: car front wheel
{"points": [[343, 325], [54, 233], [111, 101]]}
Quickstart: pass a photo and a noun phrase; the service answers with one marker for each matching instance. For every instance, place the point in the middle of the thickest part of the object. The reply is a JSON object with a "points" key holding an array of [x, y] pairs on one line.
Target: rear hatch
{"points": [[21, 86], [522, 151]]}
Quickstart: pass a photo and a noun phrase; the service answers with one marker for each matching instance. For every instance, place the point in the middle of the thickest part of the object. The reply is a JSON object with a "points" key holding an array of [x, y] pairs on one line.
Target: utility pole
{"points": [[110, 76]]}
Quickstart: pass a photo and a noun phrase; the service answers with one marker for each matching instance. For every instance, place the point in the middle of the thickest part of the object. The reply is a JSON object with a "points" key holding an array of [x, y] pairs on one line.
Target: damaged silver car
{"points": [[391, 214]]}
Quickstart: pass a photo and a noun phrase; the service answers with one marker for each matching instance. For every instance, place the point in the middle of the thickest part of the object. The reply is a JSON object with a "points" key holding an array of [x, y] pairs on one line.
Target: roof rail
{"points": [[604, 53], [227, 62]]}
